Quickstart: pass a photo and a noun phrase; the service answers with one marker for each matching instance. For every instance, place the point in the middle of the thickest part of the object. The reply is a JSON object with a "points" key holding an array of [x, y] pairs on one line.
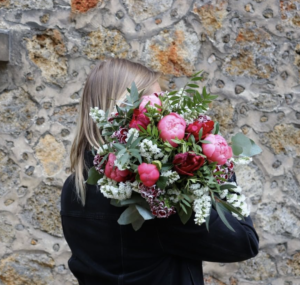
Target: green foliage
{"points": [[243, 146], [93, 176]]}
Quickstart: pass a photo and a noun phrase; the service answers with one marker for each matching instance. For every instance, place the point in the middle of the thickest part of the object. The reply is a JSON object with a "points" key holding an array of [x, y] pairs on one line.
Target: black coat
{"points": [[162, 251]]}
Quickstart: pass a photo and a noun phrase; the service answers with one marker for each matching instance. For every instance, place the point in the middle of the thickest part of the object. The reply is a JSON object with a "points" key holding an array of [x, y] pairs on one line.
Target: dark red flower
{"points": [[187, 163], [113, 116], [121, 135], [97, 160], [139, 118], [204, 122], [227, 171]]}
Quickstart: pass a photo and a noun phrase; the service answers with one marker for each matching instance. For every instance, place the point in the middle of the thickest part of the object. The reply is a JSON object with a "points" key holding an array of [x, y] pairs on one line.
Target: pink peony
{"points": [[112, 172], [149, 174], [218, 150], [152, 99], [171, 126]]}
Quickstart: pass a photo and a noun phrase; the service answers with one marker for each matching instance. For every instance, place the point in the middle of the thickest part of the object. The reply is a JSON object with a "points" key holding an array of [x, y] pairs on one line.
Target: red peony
{"points": [[204, 122], [187, 163], [139, 118], [112, 172]]}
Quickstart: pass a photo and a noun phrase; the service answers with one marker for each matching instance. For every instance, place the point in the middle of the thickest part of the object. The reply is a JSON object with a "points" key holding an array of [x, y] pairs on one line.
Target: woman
{"points": [[163, 251]]}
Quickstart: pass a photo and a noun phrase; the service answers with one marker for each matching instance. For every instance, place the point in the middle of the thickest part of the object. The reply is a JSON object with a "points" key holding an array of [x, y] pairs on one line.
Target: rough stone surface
{"points": [[47, 51], [7, 232], [140, 10], [249, 52], [284, 138], [259, 268], [104, 42], [173, 51], [42, 209], [223, 112], [27, 4], [51, 154], [17, 110], [65, 115], [211, 14], [278, 219], [82, 6], [9, 174], [25, 268]]}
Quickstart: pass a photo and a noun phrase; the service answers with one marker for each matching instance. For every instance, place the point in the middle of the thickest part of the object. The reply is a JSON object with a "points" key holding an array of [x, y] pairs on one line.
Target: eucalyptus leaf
{"points": [[138, 223], [146, 214], [129, 215], [93, 176]]}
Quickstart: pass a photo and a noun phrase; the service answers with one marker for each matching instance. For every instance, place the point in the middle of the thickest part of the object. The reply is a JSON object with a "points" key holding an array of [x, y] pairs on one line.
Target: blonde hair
{"points": [[107, 83]]}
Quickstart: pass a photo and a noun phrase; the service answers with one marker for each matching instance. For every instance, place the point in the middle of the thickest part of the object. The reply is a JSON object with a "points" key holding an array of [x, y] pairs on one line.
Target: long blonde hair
{"points": [[106, 84]]}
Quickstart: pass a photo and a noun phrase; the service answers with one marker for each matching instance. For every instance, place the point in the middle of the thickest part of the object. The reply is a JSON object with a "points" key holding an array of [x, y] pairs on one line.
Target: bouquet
{"points": [[163, 155]]}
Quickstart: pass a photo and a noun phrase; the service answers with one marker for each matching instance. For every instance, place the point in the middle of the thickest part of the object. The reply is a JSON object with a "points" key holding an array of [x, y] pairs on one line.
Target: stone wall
{"points": [[250, 54]]}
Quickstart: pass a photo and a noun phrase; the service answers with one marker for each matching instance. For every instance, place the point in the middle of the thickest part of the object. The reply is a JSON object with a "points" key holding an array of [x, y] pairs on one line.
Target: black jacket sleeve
{"points": [[220, 244]]}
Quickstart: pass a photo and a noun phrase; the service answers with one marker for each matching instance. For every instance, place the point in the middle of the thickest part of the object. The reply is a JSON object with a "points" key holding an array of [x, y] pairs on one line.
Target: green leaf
{"points": [[118, 146], [195, 74], [130, 140], [167, 166], [207, 220], [186, 203], [129, 215], [255, 149], [205, 141], [196, 78], [134, 94], [172, 93], [193, 85], [183, 208], [187, 197], [93, 176], [146, 214], [227, 186], [216, 128], [162, 182], [231, 208], [189, 91], [136, 153], [185, 216], [237, 150], [124, 158], [138, 223], [122, 151], [135, 143], [115, 203], [222, 216], [200, 134]]}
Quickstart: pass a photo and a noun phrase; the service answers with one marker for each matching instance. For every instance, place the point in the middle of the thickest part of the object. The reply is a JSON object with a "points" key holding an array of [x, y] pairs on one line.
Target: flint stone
{"points": [[4, 45], [51, 154], [173, 51], [17, 111], [278, 219], [140, 10], [9, 174], [27, 268], [42, 210]]}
